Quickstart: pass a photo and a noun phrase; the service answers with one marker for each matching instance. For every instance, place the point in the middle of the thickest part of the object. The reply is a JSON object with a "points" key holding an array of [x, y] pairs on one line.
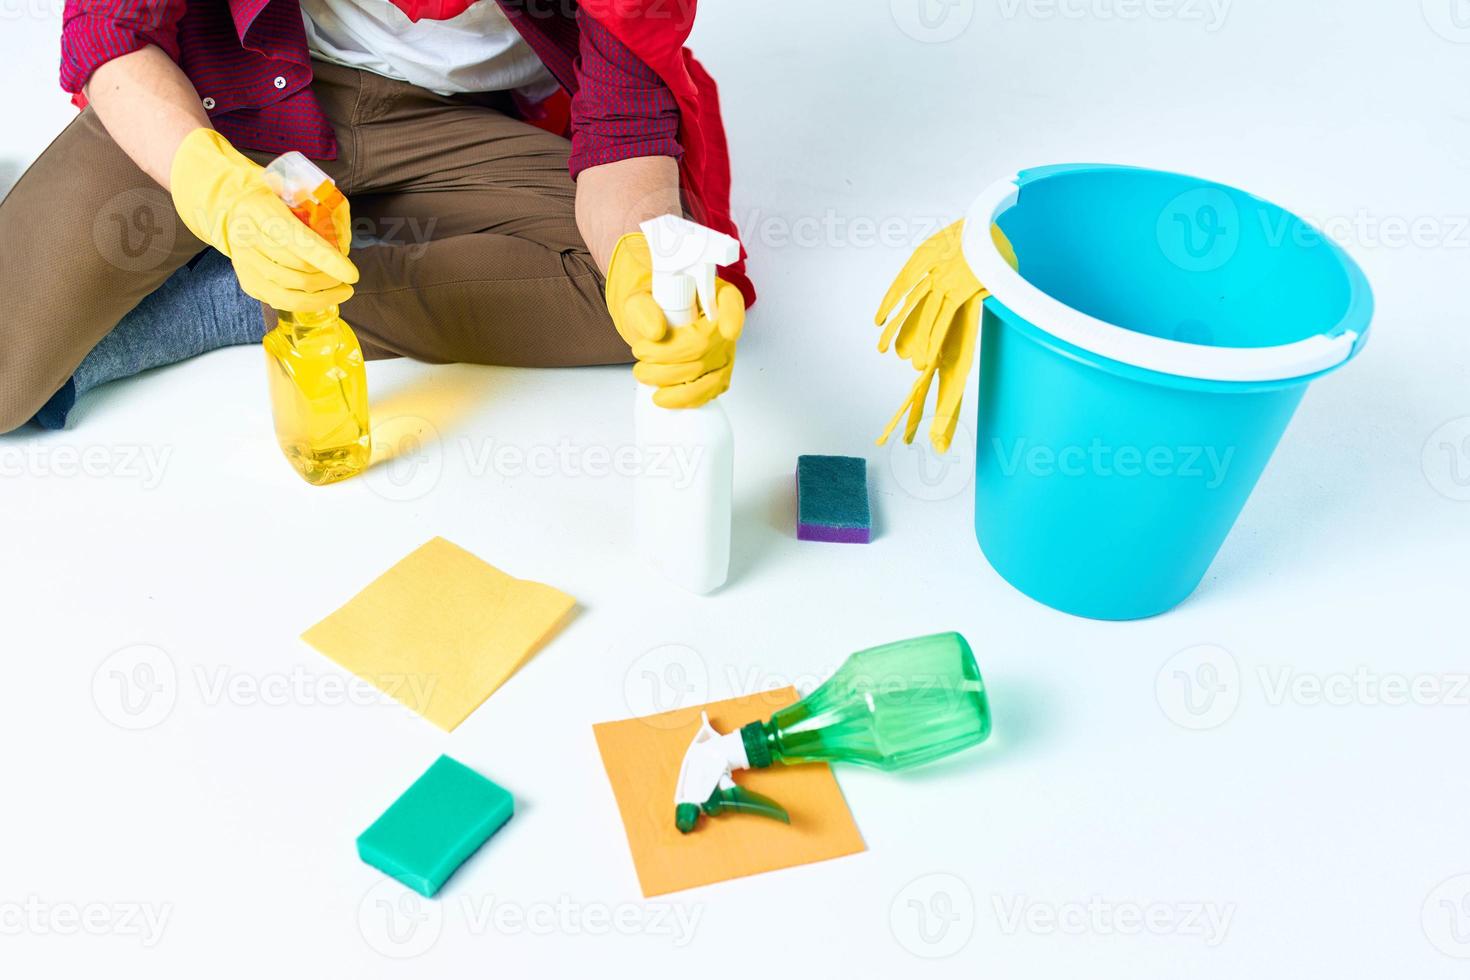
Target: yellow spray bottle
{"points": [[318, 382]]}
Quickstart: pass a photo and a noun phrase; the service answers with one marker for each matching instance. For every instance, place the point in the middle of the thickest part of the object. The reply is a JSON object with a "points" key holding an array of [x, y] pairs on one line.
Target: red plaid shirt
{"points": [[249, 62]]}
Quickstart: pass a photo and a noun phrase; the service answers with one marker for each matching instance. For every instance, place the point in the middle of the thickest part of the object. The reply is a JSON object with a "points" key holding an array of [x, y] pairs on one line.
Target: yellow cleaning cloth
{"points": [[441, 630], [642, 757]]}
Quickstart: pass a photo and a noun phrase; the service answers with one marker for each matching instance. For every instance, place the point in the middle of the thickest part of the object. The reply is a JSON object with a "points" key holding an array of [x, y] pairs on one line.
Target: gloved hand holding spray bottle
{"points": [[683, 529], [318, 380], [891, 707], [298, 266]]}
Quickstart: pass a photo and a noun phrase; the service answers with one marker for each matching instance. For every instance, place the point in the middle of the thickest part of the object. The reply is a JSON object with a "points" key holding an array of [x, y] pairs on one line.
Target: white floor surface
{"points": [[1309, 821]]}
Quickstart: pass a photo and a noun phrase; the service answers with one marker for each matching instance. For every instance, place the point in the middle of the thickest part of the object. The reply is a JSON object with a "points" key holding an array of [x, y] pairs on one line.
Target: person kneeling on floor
{"points": [[495, 154]]}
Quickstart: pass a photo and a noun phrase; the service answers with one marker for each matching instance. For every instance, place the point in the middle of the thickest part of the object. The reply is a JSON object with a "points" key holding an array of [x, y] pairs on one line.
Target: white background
{"points": [[1329, 829]]}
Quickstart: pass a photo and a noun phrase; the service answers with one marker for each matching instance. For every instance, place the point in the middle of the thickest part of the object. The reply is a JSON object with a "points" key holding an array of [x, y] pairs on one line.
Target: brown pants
{"points": [[477, 256]]}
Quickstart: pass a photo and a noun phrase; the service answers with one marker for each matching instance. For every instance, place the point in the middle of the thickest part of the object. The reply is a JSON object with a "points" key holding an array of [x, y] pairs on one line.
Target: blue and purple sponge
{"points": [[832, 499]]}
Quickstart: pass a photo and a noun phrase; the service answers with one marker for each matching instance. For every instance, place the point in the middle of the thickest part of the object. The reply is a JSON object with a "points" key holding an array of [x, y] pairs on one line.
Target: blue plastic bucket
{"points": [[1137, 370]]}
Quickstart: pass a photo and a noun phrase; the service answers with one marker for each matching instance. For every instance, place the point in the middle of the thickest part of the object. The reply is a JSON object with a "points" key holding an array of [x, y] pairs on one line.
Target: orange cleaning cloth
{"points": [[441, 630], [642, 757]]}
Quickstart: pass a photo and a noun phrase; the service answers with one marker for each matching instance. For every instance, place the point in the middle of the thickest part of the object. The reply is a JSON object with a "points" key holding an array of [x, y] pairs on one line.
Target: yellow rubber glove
{"points": [[222, 197], [689, 366], [936, 330]]}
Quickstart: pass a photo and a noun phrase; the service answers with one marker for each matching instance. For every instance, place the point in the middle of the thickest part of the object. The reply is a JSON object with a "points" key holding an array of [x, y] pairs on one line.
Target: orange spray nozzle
{"points": [[309, 193]]}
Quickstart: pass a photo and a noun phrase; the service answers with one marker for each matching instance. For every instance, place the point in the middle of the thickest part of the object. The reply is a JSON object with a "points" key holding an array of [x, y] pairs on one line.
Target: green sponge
{"points": [[435, 826], [832, 499]]}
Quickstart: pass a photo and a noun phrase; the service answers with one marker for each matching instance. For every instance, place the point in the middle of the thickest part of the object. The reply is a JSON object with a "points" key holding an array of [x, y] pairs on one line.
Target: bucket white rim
{"points": [[1174, 357]]}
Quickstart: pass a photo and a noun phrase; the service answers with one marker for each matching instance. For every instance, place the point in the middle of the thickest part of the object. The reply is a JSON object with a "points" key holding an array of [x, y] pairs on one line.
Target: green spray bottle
{"points": [[891, 707]]}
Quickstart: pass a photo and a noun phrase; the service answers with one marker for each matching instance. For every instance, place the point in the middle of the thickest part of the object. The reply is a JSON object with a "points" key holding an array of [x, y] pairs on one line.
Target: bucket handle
{"points": [[1309, 356]]}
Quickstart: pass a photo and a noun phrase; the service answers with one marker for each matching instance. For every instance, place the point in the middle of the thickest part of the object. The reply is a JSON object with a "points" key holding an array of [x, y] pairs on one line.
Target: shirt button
{"points": [[280, 82], [208, 104]]}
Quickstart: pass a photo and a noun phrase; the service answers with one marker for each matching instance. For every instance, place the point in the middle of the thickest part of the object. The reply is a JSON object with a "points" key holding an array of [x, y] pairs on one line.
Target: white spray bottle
{"points": [[684, 490]]}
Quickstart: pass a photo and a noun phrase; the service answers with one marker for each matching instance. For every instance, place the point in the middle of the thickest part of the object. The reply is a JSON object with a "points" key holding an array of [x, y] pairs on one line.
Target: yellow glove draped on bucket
{"points": [[222, 197], [936, 329], [689, 366]]}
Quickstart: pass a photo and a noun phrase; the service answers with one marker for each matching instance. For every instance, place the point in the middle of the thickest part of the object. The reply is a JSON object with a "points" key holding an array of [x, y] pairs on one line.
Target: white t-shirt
{"points": [[478, 51]]}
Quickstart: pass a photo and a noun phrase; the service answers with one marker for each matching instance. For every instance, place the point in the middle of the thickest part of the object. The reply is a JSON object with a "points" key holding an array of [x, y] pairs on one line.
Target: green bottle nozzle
{"points": [[706, 778], [738, 799], [892, 707], [686, 817]]}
